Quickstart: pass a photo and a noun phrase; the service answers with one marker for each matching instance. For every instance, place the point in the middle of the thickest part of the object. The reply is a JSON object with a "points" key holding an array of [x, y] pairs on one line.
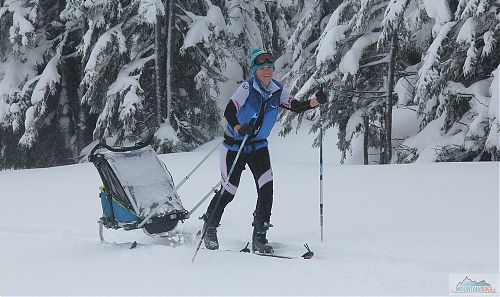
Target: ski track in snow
{"points": [[389, 230]]}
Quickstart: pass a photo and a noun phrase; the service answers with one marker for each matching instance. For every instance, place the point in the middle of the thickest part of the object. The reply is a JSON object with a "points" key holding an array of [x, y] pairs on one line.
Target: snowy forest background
{"points": [[78, 71]]}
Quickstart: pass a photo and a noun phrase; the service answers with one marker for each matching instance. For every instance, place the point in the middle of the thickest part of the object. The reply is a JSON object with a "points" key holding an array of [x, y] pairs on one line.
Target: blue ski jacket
{"points": [[255, 104]]}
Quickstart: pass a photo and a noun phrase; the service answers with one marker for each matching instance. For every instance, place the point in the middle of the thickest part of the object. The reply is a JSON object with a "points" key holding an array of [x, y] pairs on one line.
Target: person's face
{"points": [[265, 74]]}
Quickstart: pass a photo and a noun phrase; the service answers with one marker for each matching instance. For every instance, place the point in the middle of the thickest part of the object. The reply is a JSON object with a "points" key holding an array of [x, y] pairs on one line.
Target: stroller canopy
{"points": [[145, 180]]}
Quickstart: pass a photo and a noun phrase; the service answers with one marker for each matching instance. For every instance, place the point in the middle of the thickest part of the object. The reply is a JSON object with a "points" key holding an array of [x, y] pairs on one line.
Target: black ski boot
{"points": [[259, 240], [210, 239]]}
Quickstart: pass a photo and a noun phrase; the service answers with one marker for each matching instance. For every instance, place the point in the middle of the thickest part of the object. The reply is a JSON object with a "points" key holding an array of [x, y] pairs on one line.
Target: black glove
{"points": [[245, 129], [321, 96]]}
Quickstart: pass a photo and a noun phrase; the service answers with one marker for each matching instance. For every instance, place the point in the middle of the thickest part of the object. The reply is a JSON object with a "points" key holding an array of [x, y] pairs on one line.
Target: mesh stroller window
{"points": [[113, 185]]}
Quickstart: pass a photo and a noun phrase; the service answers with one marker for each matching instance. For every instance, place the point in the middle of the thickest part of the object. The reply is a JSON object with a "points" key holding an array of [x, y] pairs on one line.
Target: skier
{"points": [[252, 111]]}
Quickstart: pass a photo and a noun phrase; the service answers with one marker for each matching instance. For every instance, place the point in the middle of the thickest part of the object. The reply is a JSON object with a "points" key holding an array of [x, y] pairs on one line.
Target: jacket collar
{"points": [[273, 87]]}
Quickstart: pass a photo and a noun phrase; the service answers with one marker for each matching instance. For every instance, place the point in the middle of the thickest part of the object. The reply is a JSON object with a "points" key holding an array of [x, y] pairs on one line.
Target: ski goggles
{"points": [[263, 58]]}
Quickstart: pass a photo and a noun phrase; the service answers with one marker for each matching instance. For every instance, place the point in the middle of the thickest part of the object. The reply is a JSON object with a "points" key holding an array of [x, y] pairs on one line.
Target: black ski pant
{"points": [[260, 165]]}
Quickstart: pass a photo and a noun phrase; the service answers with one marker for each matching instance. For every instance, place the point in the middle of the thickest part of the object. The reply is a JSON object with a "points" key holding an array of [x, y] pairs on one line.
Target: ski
{"points": [[173, 239], [274, 256], [308, 255]]}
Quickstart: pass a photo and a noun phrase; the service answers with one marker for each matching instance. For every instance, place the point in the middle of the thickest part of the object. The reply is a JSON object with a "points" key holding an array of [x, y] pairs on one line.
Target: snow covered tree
{"points": [[118, 55], [203, 49], [453, 82], [392, 30], [74, 72], [93, 71], [36, 118], [249, 26], [301, 71], [348, 60], [132, 70]]}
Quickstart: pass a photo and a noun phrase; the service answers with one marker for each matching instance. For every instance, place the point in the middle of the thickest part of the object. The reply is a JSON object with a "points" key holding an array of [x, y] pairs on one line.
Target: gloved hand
{"points": [[321, 96], [245, 129]]}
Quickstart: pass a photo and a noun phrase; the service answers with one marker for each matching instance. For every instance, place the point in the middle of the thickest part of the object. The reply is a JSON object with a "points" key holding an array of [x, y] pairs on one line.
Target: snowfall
{"points": [[388, 230]]}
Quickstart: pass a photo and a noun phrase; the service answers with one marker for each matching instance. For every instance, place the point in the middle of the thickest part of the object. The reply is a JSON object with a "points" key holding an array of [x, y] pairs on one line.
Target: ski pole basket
{"points": [[136, 183]]}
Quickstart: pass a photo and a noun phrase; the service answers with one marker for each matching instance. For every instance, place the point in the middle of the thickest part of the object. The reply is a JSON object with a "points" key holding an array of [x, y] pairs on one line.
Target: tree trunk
{"points": [[382, 148], [160, 81], [366, 124], [170, 15], [390, 99]]}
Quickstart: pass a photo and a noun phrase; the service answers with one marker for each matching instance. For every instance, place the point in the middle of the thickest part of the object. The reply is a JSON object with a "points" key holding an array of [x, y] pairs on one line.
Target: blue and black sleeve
{"points": [[298, 106], [230, 114]]}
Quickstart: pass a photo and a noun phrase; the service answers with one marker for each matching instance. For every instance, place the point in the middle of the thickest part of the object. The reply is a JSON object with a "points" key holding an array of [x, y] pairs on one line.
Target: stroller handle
{"points": [[138, 146]]}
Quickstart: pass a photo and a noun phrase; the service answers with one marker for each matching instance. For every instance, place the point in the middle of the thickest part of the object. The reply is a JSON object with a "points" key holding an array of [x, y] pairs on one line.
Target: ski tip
{"points": [[309, 254], [245, 249], [134, 245]]}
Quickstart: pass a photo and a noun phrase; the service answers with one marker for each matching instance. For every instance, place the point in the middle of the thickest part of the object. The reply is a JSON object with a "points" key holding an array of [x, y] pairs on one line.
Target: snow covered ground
{"points": [[383, 234]]}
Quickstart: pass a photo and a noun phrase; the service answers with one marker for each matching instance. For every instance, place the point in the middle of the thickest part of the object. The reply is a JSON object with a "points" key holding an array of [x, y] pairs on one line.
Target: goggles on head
{"points": [[263, 58]]}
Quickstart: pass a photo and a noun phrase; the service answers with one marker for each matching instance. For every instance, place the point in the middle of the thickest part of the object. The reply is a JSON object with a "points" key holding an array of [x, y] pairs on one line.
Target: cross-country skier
{"points": [[252, 111]]}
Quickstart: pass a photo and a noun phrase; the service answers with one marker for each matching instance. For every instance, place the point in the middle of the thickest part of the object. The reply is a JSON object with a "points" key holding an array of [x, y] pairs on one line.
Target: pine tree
{"points": [[458, 61], [301, 70], [119, 60], [36, 127], [200, 72], [348, 59], [392, 27], [75, 72]]}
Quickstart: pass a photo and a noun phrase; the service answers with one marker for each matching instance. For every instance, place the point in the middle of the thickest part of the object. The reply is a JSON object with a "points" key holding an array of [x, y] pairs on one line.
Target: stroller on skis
{"points": [[138, 190]]}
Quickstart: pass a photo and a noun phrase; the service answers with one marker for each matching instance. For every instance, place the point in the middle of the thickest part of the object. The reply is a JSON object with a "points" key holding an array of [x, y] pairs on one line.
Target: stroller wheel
{"points": [[161, 227]]}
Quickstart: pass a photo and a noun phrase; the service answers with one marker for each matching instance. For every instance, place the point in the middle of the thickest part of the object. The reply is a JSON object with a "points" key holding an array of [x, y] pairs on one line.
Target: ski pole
{"points": [[213, 189], [219, 196], [321, 166], [174, 190]]}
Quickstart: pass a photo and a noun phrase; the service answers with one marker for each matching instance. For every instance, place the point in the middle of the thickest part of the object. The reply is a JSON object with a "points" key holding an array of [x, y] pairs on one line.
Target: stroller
{"points": [[138, 190]]}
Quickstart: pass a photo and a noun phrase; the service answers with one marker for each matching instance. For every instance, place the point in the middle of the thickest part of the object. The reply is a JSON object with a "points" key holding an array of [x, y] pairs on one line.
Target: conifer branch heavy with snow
{"points": [[87, 71]]}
